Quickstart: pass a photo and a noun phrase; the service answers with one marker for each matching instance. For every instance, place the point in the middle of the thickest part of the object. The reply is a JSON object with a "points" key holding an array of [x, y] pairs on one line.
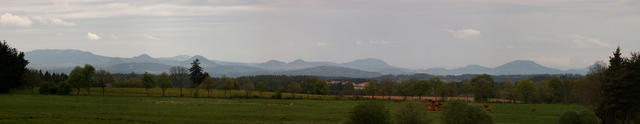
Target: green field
{"points": [[130, 105]]}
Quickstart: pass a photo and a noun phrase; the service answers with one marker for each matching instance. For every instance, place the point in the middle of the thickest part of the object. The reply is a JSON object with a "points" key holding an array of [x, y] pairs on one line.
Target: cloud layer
{"points": [[9, 19]]}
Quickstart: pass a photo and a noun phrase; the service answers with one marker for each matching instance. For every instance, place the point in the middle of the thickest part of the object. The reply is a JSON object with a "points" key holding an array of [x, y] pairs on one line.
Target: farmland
{"points": [[129, 105]]}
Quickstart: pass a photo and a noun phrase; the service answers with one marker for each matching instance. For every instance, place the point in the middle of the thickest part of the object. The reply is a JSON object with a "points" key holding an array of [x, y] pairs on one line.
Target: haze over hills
{"points": [[64, 60]]}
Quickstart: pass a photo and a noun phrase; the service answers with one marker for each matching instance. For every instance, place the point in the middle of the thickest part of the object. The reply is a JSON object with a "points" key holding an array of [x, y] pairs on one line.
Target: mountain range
{"points": [[63, 60]]}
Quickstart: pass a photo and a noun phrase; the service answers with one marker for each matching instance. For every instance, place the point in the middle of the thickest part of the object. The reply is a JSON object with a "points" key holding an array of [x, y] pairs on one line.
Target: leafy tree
{"points": [[557, 88], [372, 89], [208, 84], [164, 81], [442, 90], [421, 87], [509, 90], [227, 84], [371, 112], [248, 87], [526, 90], [483, 87], [179, 76], [387, 88], [147, 82], [405, 88], [31, 78], [75, 78], [467, 89], [457, 112], [13, 66], [293, 88], [261, 87], [412, 113], [103, 78], [196, 75], [348, 88], [87, 77]]}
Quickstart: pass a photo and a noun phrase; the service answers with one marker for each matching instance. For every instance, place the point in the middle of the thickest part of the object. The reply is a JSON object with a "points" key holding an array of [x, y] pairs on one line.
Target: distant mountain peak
{"points": [[143, 56], [297, 61], [369, 63], [273, 61]]}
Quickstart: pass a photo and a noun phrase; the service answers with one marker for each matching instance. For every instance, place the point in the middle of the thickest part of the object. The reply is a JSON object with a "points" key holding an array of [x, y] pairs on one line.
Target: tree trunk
{"points": [[181, 92], [225, 93], [88, 91], [163, 91], [78, 91], [32, 88], [102, 91], [147, 89]]}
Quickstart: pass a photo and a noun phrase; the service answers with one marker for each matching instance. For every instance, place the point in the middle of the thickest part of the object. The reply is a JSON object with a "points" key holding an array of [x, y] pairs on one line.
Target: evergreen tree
{"points": [[12, 67], [196, 75]]}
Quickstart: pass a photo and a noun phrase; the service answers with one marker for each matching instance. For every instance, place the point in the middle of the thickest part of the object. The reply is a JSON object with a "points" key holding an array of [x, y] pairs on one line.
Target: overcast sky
{"points": [[406, 33]]}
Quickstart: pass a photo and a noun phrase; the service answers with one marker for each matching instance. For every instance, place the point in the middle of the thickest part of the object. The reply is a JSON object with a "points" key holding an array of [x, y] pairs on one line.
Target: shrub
{"points": [[584, 117], [48, 88], [55, 88], [278, 95], [458, 112], [130, 83], [370, 112], [412, 113]]}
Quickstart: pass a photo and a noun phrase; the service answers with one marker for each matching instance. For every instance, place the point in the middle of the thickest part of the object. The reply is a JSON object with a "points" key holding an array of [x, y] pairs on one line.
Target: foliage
{"points": [[103, 78], [372, 89], [164, 82], [412, 113], [54, 88], [526, 91], [386, 87], [31, 78], [196, 73], [13, 66], [130, 83], [147, 82], [483, 87], [227, 84], [179, 76], [208, 84], [405, 88], [620, 89], [261, 87], [370, 112], [293, 88], [584, 117], [248, 87], [457, 112], [81, 77]]}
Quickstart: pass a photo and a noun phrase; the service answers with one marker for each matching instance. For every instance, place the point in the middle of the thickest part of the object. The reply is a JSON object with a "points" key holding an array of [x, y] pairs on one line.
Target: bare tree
{"points": [[178, 75], [103, 78]]}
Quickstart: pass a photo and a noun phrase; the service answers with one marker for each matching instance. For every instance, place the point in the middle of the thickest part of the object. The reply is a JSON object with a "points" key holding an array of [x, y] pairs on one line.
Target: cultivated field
{"points": [[129, 105]]}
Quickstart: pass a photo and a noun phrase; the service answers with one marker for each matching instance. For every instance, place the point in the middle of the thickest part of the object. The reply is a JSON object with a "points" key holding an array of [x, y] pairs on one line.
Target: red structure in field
{"points": [[433, 106]]}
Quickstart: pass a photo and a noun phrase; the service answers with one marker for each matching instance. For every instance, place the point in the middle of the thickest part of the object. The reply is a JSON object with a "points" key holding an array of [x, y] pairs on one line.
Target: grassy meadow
{"points": [[130, 105]]}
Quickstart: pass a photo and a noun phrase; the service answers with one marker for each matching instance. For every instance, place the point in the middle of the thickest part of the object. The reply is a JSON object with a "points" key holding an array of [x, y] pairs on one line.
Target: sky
{"points": [[416, 34]]}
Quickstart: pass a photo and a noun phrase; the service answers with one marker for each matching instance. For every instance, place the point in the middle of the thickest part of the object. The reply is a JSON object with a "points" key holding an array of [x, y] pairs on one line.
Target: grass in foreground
{"points": [[136, 109]]}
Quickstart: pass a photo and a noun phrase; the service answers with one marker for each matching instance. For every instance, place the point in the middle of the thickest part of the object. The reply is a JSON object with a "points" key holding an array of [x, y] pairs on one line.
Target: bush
{"points": [[278, 95], [412, 113], [55, 88], [458, 112], [584, 117], [370, 112], [130, 83]]}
